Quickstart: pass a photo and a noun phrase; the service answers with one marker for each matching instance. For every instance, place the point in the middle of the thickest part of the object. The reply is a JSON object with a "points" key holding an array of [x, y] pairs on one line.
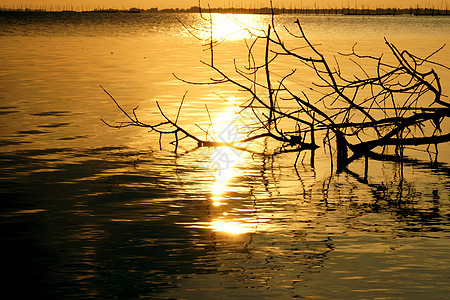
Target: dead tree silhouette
{"points": [[397, 102]]}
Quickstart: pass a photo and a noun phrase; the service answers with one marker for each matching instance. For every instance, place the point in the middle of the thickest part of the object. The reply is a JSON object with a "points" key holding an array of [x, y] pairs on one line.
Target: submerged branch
{"points": [[397, 103]]}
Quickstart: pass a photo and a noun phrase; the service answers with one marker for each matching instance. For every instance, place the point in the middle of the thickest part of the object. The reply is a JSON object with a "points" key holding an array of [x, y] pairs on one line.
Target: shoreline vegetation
{"points": [[417, 11]]}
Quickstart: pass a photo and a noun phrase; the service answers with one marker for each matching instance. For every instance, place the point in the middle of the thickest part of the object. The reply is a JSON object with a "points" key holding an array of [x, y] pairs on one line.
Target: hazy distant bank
{"points": [[418, 11]]}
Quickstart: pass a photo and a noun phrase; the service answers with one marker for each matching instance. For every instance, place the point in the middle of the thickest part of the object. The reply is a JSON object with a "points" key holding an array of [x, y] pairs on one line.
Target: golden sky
{"points": [[91, 4]]}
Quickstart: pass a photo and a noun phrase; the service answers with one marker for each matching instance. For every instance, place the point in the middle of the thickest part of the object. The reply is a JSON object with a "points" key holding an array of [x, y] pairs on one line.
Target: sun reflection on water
{"points": [[232, 27], [223, 167], [230, 227], [224, 164], [226, 159], [227, 128]]}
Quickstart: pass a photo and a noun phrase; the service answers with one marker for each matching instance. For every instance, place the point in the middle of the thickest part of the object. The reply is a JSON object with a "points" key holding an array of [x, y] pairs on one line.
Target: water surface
{"points": [[90, 211]]}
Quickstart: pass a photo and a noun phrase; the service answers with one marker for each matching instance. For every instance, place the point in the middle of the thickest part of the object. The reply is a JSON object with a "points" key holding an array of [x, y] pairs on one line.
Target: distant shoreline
{"points": [[265, 10]]}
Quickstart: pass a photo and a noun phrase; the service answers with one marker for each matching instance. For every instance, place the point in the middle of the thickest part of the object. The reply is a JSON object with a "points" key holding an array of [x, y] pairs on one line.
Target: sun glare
{"points": [[230, 227], [224, 159], [227, 126], [233, 27], [222, 163]]}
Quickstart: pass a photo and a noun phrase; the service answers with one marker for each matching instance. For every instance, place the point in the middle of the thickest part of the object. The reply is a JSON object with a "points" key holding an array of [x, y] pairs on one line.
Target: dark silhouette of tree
{"points": [[399, 102]]}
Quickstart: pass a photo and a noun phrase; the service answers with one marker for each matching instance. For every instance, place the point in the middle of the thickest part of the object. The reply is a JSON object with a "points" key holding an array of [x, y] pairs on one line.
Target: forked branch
{"points": [[400, 103]]}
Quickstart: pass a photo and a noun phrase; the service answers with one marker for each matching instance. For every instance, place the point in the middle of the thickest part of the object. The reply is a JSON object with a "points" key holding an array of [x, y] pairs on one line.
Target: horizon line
{"points": [[264, 9], [81, 8]]}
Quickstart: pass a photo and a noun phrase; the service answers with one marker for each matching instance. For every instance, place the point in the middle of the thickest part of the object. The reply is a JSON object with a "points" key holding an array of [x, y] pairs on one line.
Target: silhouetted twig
{"points": [[396, 103]]}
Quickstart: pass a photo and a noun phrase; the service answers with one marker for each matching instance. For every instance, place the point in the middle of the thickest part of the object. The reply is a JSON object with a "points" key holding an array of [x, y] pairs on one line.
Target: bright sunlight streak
{"points": [[227, 127], [230, 227], [225, 158], [223, 162], [232, 27]]}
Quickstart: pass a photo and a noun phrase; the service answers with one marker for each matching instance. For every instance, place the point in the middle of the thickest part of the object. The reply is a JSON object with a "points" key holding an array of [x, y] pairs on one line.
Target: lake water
{"points": [[90, 211]]}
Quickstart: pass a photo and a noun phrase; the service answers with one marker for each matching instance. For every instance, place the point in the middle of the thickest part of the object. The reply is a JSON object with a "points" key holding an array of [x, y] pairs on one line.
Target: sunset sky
{"points": [[91, 4]]}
